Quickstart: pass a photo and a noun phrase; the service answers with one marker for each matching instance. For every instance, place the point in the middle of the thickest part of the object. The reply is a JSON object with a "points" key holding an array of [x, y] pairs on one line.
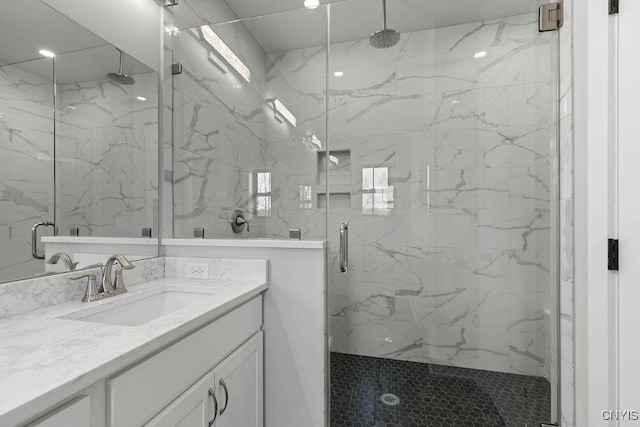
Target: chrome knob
{"points": [[238, 221]]}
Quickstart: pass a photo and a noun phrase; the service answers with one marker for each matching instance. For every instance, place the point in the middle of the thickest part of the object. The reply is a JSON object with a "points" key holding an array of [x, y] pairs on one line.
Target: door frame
{"points": [[593, 355]]}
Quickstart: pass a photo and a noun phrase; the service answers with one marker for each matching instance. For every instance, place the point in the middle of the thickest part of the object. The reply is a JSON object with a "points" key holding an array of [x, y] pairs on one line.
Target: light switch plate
{"points": [[197, 270]]}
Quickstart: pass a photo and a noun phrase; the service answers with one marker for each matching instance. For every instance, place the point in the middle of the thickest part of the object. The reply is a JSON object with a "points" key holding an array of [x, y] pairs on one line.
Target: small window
{"points": [[306, 201], [263, 194], [377, 195]]}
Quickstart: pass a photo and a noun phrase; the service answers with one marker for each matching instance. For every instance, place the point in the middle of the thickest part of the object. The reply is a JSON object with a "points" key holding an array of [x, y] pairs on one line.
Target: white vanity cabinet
{"points": [[182, 373], [239, 386], [229, 395]]}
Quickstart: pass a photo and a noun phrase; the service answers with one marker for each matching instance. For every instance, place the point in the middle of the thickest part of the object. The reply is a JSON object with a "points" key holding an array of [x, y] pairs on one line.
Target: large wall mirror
{"points": [[78, 139]]}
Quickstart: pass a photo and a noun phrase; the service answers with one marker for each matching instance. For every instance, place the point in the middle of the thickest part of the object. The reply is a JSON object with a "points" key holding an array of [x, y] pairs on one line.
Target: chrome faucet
{"points": [[66, 259], [108, 287], [116, 286]]}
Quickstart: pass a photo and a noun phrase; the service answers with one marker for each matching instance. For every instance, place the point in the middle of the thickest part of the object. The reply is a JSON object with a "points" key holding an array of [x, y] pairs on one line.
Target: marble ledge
{"points": [[248, 243], [44, 359], [101, 240]]}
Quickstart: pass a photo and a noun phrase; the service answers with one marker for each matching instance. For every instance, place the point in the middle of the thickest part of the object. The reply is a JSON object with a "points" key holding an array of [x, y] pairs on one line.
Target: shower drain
{"points": [[390, 399]]}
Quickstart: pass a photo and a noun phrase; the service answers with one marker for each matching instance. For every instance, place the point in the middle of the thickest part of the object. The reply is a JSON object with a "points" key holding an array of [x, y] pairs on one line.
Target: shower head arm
{"points": [[121, 61], [384, 14]]}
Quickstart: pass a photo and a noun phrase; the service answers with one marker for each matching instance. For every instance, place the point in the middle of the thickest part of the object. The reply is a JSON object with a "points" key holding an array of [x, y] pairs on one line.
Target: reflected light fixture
{"points": [[172, 29], [71, 107], [141, 98], [338, 74], [46, 53], [480, 54], [333, 161], [281, 112], [225, 52], [311, 4]]}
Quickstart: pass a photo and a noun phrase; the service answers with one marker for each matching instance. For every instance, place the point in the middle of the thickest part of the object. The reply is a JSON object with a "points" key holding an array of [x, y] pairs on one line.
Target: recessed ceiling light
{"points": [[47, 53], [237, 86], [141, 98], [480, 54], [338, 74], [457, 101], [311, 4], [71, 107]]}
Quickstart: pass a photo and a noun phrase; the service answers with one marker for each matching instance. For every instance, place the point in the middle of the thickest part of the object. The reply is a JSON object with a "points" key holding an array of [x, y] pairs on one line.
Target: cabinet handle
{"points": [[226, 396], [215, 407]]}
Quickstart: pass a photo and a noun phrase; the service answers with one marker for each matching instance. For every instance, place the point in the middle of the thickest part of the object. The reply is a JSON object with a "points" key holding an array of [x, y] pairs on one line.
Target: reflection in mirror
{"points": [[26, 163], [106, 140], [78, 150]]}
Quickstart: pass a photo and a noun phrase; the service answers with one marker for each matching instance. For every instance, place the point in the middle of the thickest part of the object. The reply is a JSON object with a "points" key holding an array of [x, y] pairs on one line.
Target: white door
{"points": [[629, 211], [193, 408], [239, 386]]}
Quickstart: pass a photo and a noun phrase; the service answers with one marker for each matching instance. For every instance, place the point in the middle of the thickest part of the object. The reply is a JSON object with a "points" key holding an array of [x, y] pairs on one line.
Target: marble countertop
{"points": [[45, 359]]}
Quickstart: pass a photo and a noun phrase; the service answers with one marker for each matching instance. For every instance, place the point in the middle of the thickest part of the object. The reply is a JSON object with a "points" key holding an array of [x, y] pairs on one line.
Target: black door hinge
{"points": [[614, 7], [613, 255]]}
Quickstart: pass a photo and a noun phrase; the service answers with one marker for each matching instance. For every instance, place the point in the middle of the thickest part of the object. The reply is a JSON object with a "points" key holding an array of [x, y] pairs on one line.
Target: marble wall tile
{"points": [[219, 129], [472, 348], [108, 151]]}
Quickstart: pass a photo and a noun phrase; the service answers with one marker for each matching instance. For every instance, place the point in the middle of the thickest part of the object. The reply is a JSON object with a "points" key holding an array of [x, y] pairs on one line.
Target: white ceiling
{"points": [[357, 19], [26, 26]]}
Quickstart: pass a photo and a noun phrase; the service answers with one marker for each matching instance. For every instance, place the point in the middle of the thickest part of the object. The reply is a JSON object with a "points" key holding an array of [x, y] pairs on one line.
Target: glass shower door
{"points": [[443, 154], [26, 163]]}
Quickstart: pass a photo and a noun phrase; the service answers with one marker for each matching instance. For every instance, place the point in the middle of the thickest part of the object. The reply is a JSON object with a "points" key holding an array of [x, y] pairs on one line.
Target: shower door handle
{"points": [[344, 247], [34, 237]]}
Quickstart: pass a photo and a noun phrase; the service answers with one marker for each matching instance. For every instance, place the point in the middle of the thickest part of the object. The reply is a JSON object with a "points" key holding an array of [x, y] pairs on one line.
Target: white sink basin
{"points": [[139, 309]]}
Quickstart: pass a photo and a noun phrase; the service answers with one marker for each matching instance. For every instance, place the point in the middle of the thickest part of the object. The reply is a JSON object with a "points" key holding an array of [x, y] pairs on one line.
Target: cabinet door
{"points": [[193, 408], [239, 386]]}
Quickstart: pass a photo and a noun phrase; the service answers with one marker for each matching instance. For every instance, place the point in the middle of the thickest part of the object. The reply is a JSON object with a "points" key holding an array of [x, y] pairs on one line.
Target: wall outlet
{"points": [[197, 271]]}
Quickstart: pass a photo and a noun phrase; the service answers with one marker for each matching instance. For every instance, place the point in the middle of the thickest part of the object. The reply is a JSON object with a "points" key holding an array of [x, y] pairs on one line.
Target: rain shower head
{"points": [[385, 37], [120, 77]]}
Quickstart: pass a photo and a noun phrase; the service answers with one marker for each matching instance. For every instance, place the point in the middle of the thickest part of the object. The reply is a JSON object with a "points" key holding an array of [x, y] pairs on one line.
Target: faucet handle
{"points": [[91, 292], [89, 274], [118, 284]]}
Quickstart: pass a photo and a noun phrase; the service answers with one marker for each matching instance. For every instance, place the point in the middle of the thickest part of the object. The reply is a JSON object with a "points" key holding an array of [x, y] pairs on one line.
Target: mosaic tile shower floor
{"points": [[432, 395]]}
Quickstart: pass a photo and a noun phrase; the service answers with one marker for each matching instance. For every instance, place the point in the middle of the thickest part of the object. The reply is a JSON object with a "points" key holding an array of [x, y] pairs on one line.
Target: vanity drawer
{"points": [[139, 393]]}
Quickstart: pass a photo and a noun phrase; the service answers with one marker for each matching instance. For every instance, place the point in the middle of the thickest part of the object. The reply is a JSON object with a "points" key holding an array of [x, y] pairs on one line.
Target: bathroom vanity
{"points": [[172, 351]]}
